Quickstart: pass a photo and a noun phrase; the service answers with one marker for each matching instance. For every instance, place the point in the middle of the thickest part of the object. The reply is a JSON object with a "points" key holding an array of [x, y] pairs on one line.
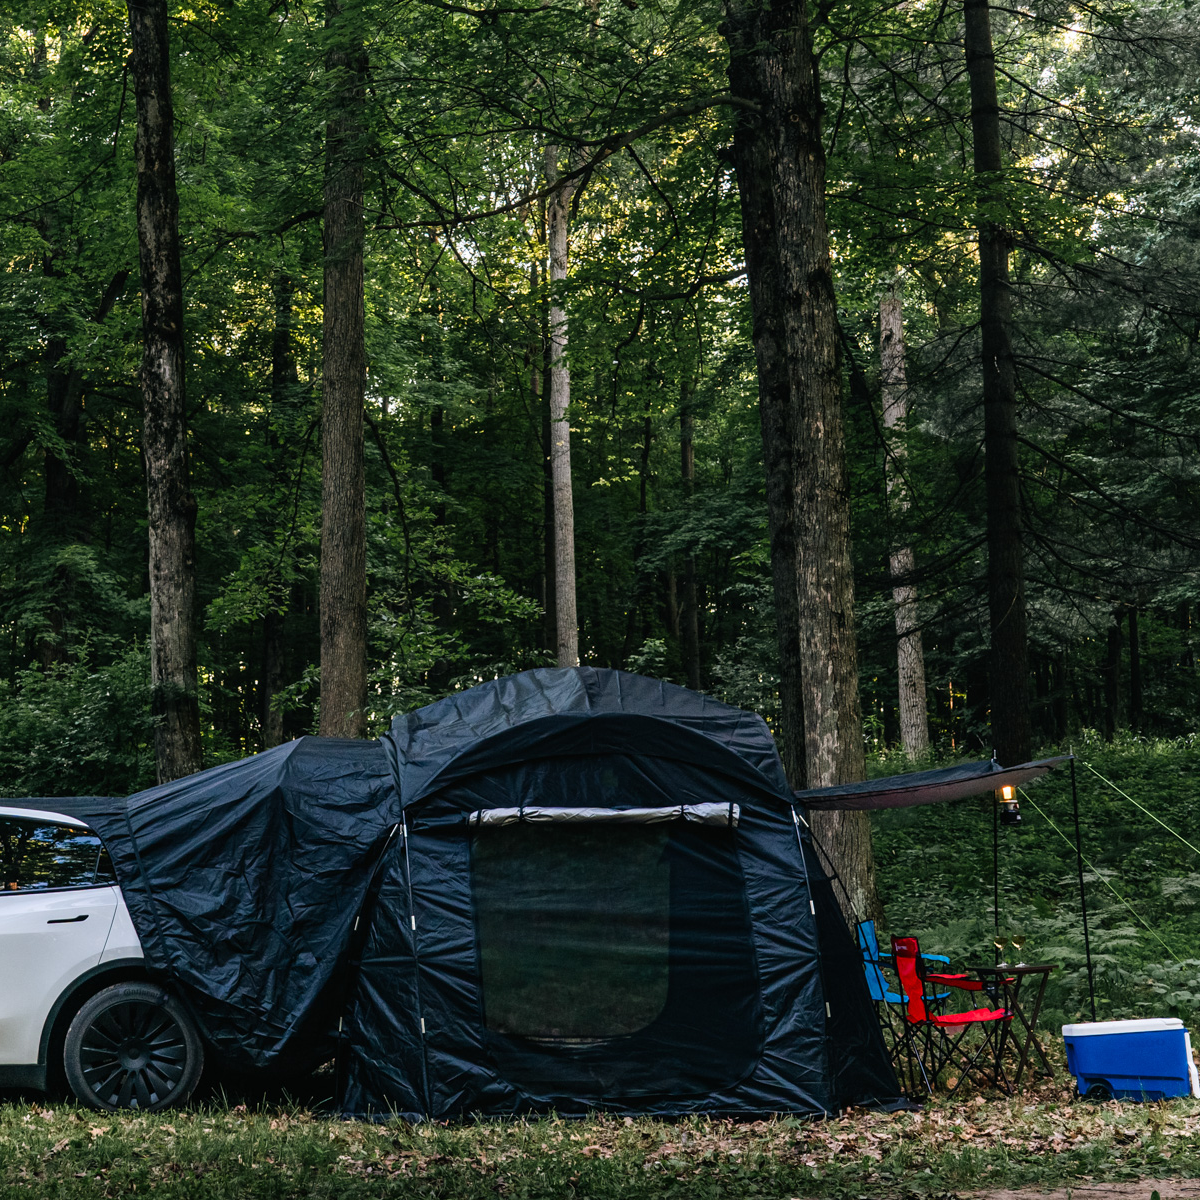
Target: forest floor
{"points": [[1047, 1141]]}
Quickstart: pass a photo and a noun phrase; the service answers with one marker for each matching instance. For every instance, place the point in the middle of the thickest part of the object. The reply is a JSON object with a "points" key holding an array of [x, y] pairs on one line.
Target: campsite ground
{"points": [[982, 1148]]}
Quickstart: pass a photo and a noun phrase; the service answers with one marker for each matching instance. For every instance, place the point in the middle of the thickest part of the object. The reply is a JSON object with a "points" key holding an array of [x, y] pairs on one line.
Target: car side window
{"points": [[37, 855]]}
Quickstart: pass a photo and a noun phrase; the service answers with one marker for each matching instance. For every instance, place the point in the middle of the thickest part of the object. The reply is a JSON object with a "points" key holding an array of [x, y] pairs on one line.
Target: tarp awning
{"points": [[926, 787]]}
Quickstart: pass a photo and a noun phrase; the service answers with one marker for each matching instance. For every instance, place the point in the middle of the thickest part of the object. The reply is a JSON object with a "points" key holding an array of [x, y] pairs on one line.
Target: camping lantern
{"points": [[1010, 808]]}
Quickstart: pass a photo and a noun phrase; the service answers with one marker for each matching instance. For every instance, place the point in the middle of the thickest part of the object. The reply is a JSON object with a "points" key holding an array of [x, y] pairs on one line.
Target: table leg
{"points": [[1011, 998], [1030, 1025], [1037, 1008]]}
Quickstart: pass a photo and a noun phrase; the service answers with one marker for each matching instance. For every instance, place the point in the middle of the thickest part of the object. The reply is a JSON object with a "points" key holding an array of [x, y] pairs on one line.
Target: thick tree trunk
{"points": [[558, 208], [1011, 729], [910, 653], [780, 163], [691, 601], [343, 519], [171, 505], [753, 150]]}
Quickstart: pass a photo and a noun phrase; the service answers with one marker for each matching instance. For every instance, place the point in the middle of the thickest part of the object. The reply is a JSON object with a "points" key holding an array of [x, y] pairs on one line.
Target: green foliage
{"points": [[1099, 196], [72, 729]]}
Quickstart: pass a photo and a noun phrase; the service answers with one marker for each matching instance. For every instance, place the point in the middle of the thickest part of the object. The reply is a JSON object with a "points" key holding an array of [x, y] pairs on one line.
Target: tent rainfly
{"points": [[565, 889]]}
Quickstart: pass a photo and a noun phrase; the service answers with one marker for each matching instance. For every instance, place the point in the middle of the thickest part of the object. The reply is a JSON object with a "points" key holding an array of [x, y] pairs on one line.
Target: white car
{"points": [[76, 1002]]}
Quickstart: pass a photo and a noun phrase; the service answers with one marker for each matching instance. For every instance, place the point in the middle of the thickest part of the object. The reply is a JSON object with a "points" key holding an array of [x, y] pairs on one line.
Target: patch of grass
{"points": [[66, 1152]]}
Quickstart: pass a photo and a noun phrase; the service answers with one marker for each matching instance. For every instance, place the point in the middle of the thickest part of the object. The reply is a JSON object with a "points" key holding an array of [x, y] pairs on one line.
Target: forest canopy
{"points": [[1097, 199]]}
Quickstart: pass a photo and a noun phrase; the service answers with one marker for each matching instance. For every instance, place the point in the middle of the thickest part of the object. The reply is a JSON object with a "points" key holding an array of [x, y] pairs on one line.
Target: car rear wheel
{"points": [[132, 1046]]}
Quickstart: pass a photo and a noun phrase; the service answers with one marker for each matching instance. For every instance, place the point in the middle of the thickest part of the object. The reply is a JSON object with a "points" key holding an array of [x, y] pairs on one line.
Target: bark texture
{"points": [[539, 350], [780, 164], [343, 496], [910, 653], [170, 503], [691, 599], [558, 209], [1009, 689]]}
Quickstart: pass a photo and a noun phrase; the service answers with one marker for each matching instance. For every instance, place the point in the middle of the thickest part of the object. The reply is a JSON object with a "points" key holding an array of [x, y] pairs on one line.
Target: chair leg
{"points": [[991, 1040], [917, 1060]]}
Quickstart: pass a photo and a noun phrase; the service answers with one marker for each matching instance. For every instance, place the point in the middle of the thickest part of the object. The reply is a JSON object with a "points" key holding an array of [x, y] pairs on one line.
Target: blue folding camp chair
{"points": [[868, 941], [881, 990], [891, 1021]]}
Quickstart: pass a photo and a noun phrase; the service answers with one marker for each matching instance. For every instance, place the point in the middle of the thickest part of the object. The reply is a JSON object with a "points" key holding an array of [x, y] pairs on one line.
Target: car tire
{"points": [[132, 1046]]}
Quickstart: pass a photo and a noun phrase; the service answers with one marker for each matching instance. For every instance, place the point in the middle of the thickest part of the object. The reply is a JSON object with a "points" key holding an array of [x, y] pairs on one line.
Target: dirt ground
{"points": [[1141, 1189]]}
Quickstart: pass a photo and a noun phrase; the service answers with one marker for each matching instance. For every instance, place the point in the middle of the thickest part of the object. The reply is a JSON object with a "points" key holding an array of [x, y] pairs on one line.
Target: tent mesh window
{"points": [[615, 959]]}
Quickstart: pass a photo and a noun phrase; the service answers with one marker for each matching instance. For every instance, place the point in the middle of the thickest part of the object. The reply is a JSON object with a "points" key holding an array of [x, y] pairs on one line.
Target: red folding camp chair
{"points": [[936, 1040]]}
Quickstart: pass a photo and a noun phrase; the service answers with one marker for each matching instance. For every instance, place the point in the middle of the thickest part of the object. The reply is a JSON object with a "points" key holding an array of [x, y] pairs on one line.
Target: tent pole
{"points": [[812, 908], [412, 916], [1087, 945]]}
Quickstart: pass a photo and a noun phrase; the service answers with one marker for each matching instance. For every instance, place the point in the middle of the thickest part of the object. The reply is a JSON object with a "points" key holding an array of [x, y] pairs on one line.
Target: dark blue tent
{"points": [[602, 897]]}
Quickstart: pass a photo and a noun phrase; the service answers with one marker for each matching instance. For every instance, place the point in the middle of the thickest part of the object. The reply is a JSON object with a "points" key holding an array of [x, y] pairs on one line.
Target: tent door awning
{"points": [[700, 814]]}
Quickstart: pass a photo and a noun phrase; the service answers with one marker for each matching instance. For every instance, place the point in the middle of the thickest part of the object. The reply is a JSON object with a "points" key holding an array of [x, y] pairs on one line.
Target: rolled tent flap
{"points": [[926, 787], [699, 814]]}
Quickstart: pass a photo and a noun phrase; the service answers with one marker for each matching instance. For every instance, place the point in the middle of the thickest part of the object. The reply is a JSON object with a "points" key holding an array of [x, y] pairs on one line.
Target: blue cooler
{"points": [[1148, 1059]]}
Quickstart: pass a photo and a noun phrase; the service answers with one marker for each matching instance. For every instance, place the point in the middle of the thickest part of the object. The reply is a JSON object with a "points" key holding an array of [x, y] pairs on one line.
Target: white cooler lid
{"points": [[1142, 1025]]}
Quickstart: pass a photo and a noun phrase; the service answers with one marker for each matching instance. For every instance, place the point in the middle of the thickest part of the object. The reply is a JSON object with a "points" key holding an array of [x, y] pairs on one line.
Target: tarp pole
{"points": [[1087, 944], [996, 867]]}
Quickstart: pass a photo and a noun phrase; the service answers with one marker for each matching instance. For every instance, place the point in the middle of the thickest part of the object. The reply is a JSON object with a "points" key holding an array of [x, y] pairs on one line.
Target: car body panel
{"points": [[50, 940], [123, 940], [47, 940]]}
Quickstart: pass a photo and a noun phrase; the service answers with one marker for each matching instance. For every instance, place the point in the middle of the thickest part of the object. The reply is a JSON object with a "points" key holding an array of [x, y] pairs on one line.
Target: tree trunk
{"points": [[285, 380], [343, 516], [910, 653], [170, 503], [1060, 699], [691, 602], [780, 164], [1135, 672], [1112, 678], [538, 369], [558, 207], [1011, 729], [68, 517], [285, 375]]}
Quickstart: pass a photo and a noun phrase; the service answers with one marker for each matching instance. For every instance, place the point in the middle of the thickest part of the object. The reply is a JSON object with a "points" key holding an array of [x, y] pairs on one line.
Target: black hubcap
{"points": [[133, 1055]]}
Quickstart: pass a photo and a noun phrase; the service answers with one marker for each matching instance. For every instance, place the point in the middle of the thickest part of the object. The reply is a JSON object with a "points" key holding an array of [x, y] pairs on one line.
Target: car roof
{"points": [[46, 814]]}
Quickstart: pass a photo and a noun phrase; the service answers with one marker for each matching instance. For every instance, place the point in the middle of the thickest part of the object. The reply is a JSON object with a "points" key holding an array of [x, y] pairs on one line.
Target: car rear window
{"points": [[39, 855]]}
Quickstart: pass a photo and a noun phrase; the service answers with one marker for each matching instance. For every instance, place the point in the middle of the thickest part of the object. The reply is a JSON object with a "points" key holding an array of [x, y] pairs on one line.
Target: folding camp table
{"points": [[1011, 978]]}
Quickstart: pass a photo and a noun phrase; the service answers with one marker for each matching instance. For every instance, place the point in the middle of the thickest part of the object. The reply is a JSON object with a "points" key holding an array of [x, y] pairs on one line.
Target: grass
{"points": [[1047, 1137]]}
